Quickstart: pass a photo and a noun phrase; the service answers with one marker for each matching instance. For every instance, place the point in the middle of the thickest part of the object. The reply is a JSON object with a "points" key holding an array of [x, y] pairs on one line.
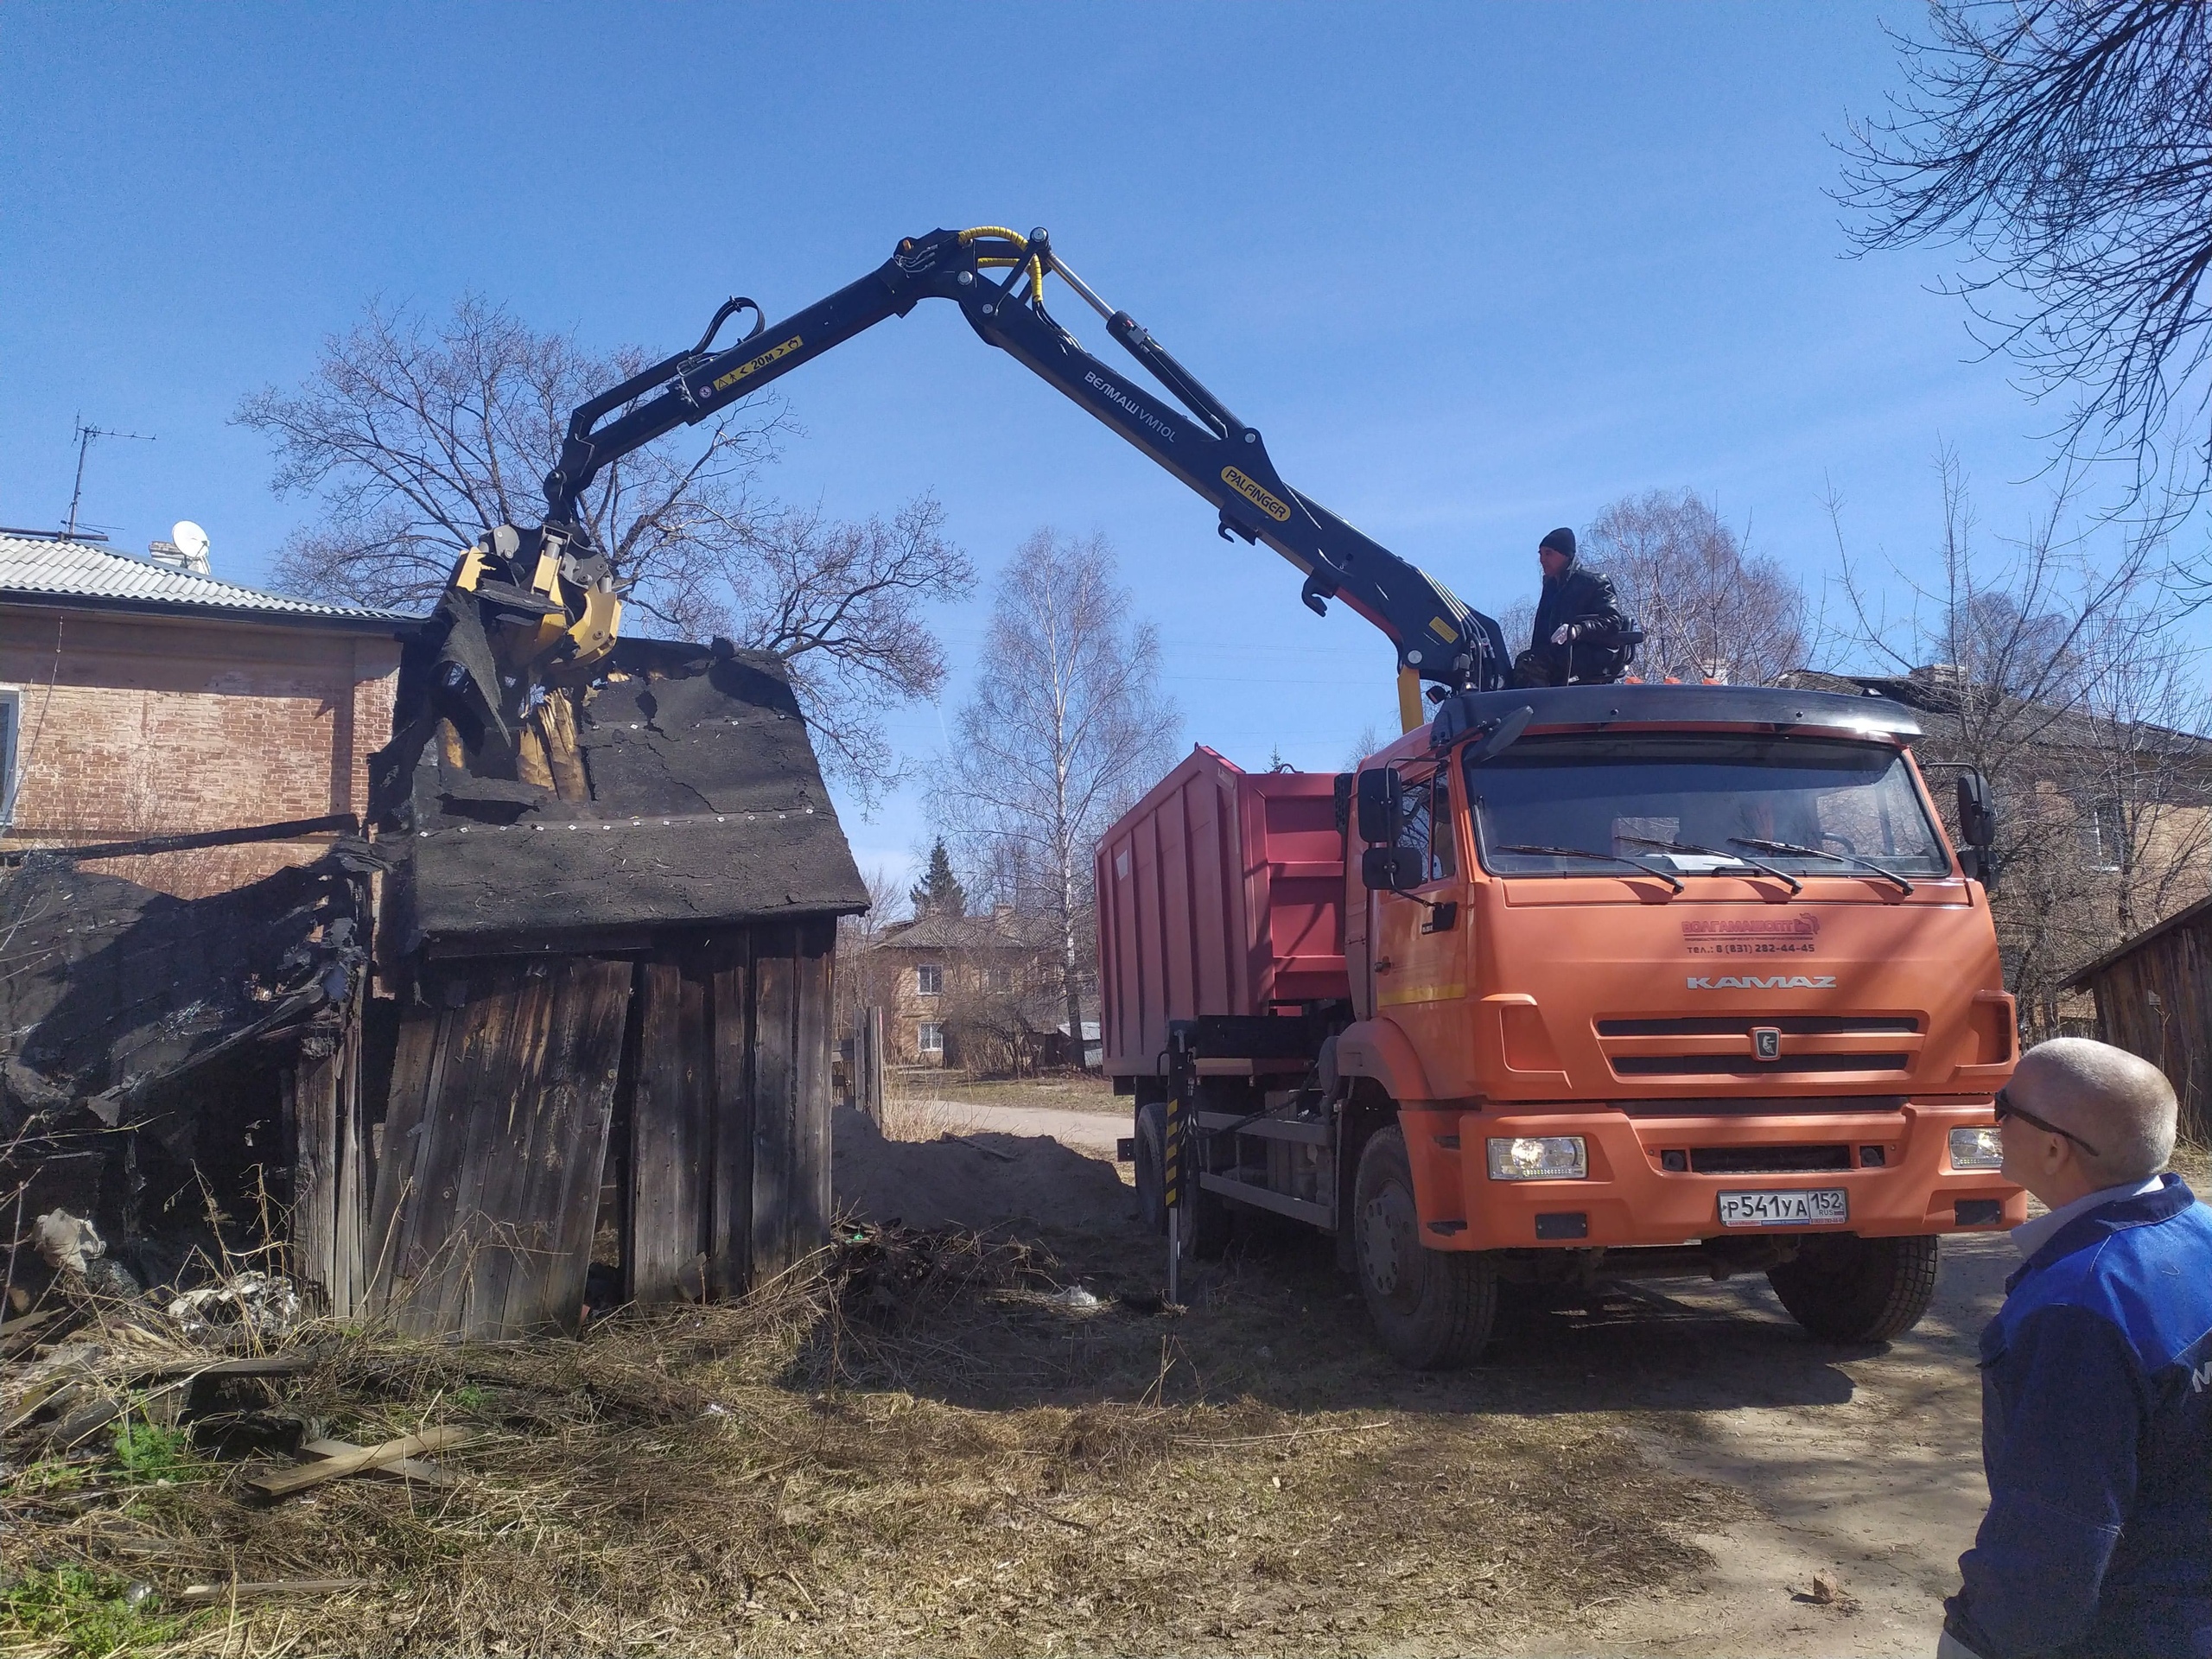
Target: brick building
{"points": [[140, 699], [978, 991]]}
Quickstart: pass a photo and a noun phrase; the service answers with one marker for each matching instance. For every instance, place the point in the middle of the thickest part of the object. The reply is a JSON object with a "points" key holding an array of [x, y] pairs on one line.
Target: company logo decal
{"points": [[1766, 1042], [1258, 494], [1113, 393], [1752, 935], [1767, 982], [755, 364]]}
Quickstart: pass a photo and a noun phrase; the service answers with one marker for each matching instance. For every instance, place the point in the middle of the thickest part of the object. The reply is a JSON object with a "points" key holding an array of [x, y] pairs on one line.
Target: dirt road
{"points": [[1861, 1464]]}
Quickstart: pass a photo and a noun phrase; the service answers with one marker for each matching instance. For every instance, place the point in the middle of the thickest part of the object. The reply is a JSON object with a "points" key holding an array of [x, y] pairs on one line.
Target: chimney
{"points": [[1002, 917]]}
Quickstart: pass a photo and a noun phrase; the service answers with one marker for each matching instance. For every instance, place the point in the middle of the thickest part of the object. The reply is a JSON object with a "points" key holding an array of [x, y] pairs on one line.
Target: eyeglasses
{"points": [[2006, 1109]]}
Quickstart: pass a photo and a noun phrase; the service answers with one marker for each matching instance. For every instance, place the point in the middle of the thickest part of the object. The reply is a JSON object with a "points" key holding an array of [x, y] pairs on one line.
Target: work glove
{"points": [[1566, 632]]}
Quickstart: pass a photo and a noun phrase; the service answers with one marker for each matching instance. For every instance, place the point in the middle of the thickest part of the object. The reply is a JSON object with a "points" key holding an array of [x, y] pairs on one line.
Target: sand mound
{"points": [[955, 1182]]}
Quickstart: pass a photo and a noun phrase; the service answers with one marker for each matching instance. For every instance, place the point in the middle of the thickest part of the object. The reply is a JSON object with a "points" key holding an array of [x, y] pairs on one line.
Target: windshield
{"points": [[1648, 799]]}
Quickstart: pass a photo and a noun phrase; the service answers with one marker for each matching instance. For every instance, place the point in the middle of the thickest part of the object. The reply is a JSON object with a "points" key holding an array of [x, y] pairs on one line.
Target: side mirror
{"points": [[1978, 828], [1390, 869], [1977, 810], [1503, 736], [1381, 809]]}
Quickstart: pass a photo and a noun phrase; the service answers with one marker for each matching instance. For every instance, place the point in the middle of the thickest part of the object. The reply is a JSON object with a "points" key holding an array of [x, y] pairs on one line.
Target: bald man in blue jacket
{"points": [[2096, 1413]]}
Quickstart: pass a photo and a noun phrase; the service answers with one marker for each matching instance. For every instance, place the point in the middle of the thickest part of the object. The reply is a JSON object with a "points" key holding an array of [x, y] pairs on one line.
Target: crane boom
{"points": [[526, 607]]}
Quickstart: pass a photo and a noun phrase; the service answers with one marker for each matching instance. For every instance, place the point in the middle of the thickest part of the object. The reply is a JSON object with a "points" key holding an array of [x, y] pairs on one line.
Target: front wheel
{"points": [[1858, 1290], [1432, 1309]]}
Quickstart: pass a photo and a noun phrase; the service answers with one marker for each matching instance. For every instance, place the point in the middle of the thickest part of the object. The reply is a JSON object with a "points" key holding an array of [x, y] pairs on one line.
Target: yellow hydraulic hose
{"points": [[1000, 233]]}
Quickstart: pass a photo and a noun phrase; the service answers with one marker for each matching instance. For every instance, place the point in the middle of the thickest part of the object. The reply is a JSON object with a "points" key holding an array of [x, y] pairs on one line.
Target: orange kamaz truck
{"points": [[1594, 979]]}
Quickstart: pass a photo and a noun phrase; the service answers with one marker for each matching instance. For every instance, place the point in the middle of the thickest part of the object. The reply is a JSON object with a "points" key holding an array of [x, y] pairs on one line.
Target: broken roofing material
{"points": [[683, 791], [125, 1008]]}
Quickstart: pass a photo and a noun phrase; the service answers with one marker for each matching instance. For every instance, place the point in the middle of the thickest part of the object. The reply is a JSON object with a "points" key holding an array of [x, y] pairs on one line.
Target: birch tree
{"points": [[1066, 727]]}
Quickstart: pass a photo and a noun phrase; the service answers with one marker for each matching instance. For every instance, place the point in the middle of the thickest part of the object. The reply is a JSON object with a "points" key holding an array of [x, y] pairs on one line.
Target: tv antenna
{"points": [[85, 435]]}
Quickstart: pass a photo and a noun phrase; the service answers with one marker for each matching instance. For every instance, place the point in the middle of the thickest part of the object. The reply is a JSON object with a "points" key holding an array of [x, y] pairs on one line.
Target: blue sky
{"points": [[1475, 270]]}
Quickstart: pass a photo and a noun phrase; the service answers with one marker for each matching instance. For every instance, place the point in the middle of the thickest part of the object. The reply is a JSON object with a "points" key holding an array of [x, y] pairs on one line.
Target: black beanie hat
{"points": [[1560, 540]]}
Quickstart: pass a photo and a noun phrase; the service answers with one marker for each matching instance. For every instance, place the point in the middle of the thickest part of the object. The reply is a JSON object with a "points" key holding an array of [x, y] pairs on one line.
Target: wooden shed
{"points": [[604, 1037], [2154, 998]]}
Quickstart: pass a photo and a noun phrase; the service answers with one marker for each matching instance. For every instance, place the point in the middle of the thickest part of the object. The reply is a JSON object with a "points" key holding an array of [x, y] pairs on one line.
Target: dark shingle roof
{"points": [[706, 806]]}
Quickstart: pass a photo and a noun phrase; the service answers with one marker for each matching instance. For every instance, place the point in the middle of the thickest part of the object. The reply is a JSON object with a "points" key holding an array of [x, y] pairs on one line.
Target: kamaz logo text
{"points": [[1258, 494], [1764, 982], [1113, 393], [755, 364]]}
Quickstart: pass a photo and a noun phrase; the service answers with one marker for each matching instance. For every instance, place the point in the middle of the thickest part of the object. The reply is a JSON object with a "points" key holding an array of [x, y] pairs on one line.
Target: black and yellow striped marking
{"points": [[1172, 1153]]}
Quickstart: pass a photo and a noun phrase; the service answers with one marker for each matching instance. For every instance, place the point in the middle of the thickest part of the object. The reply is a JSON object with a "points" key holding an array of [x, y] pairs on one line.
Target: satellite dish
{"points": [[190, 539]]}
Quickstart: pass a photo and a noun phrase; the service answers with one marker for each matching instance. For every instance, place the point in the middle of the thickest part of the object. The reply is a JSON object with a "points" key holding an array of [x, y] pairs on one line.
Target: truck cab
{"points": [[1635, 980]]}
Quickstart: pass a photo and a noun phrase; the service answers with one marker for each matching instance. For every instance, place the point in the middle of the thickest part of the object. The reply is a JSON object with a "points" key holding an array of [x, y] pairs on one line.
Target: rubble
{"points": [[255, 1304]]}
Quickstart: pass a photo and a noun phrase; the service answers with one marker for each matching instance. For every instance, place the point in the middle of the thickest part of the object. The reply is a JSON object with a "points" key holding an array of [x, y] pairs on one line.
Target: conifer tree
{"points": [[939, 892]]}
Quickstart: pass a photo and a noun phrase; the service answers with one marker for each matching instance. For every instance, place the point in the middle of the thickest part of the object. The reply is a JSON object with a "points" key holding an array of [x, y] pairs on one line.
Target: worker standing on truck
{"points": [[1577, 603], [2096, 1380]]}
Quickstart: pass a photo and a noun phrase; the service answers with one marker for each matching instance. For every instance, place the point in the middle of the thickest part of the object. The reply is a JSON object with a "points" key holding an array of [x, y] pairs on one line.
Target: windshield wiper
{"points": [[1795, 851], [1603, 858], [1796, 886]]}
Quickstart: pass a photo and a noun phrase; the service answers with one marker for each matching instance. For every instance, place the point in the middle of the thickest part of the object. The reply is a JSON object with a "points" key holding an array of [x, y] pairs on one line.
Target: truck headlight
{"points": [[1538, 1157], [1976, 1149]]}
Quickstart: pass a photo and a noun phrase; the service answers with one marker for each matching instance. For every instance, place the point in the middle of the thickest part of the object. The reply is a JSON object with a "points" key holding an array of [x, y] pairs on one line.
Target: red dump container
{"points": [[1221, 892]]}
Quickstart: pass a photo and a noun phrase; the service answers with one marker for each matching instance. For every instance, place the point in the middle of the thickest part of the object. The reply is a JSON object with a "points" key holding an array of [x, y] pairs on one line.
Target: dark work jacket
{"points": [[1578, 594], [2096, 1434]]}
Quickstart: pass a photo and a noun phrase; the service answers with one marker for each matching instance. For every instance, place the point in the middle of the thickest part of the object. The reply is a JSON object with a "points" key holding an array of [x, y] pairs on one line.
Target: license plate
{"points": [[1814, 1209]]}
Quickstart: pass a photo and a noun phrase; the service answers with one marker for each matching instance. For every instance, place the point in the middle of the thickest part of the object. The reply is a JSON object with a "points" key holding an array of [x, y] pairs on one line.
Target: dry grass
{"points": [[915, 1444], [926, 1117], [1061, 1091]]}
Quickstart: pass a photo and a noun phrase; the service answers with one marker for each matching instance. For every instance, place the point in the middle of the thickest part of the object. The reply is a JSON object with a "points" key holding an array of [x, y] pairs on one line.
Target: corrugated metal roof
{"points": [[81, 570]]}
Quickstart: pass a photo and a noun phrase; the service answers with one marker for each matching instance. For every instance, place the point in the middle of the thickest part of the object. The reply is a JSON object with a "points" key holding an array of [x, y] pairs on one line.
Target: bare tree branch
{"points": [[2066, 146], [413, 440]]}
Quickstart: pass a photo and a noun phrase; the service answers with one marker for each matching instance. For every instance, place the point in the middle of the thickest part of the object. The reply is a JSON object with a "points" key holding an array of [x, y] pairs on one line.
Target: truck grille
{"points": [[1791, 1025], [1761, 1105], [1724, 1044], [1735, 1065], [1766, 1161]]}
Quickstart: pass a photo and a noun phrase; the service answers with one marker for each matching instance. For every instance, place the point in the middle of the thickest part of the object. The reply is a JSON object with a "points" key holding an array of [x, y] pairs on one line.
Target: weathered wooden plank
{"points": [[495, 1233], [495, 1216], [315, 1091], [729, 1220], [670, 1177], [652, 1246], [414, 1060], [298, 1479], [775, 1098], [346, 1281], [471, 1039], [570, 1154], [810, 1194]]}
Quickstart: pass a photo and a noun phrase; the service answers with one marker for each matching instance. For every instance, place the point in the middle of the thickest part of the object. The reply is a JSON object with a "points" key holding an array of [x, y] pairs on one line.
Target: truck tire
{"points": [[1151, 1166], [1432, 1309], [1858, 1290]]}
